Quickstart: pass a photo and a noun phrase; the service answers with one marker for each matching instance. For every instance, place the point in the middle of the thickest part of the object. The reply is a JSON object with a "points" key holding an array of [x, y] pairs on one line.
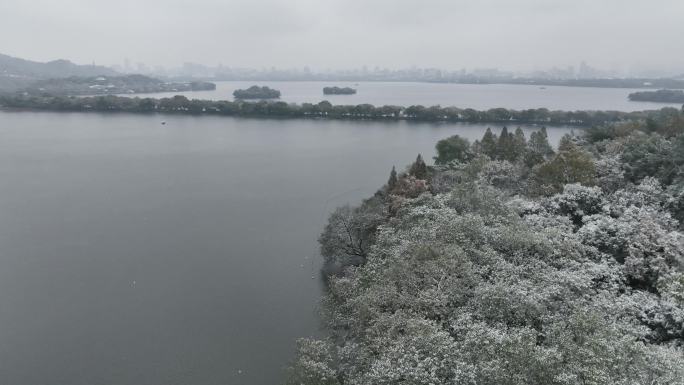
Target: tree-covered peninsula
{"points": [[660, 96], [256, 92], [511, 262], [325, 110], [338, 91]]}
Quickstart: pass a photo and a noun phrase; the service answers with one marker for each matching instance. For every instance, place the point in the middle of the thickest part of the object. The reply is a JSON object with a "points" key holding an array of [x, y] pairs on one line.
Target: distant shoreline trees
{"points": [[325, 110]]}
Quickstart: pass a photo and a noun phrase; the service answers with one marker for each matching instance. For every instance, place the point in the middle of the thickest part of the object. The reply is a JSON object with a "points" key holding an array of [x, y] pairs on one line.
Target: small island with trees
{"points": [[660, 96], [256, 92], [338, 91]]}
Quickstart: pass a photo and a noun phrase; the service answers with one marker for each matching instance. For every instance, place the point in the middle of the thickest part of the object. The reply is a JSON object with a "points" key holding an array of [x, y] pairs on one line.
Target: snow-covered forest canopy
{"points": [[511, 262]]}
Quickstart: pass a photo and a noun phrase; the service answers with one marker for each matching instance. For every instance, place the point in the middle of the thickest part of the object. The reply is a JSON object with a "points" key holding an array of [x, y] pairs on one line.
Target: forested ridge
{"points": [[511, 262]]}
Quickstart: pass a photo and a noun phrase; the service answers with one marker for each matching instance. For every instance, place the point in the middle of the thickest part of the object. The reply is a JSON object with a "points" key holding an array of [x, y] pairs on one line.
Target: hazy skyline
{"points": [[509, 34]]}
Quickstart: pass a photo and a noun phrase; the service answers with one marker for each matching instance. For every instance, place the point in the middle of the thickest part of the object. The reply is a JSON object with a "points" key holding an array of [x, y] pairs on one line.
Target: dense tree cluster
{"points": [[279, 109], [338, 91], [509, 262], [660, 96], [256, 92]]}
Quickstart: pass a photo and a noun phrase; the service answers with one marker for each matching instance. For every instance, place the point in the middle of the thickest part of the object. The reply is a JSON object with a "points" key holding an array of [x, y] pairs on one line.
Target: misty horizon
{"points": [[582, 71], [449, 35]]}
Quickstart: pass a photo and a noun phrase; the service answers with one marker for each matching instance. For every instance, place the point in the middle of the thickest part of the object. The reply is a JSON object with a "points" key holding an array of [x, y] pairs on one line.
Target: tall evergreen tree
{"points": [[539, 143], [538, 148], [570, 165], [519, 143], [505, 150], [419, 168], [488, 144], [392, 182]]}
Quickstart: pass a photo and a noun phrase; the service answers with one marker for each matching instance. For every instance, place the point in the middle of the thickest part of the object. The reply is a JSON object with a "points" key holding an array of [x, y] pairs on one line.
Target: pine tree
{"points": [[488, 144], [570, 165], [505, 145], [419, 168], [539, 143], [519, 143], [392, 182]]}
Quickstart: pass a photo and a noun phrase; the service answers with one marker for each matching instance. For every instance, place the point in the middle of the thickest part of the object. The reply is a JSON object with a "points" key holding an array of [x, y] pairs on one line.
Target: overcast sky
{"points": [[451, 34]]}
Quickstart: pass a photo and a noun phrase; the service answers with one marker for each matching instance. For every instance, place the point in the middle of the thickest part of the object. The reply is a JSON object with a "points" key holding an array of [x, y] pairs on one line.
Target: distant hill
{"points": [[62, 77], [16, 73], [16, 67]]}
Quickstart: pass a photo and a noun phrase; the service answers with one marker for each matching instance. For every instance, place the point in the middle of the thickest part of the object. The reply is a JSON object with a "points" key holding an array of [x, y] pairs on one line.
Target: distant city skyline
{"points": [[581, 70]]}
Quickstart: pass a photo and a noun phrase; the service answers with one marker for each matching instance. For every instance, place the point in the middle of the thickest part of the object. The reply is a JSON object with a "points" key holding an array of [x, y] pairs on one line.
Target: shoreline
{"points": [[321, 111]]}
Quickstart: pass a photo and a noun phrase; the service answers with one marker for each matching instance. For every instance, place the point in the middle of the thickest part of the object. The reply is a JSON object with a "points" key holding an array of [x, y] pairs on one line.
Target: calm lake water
{"points": [[477, 96], [138, 253]]}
